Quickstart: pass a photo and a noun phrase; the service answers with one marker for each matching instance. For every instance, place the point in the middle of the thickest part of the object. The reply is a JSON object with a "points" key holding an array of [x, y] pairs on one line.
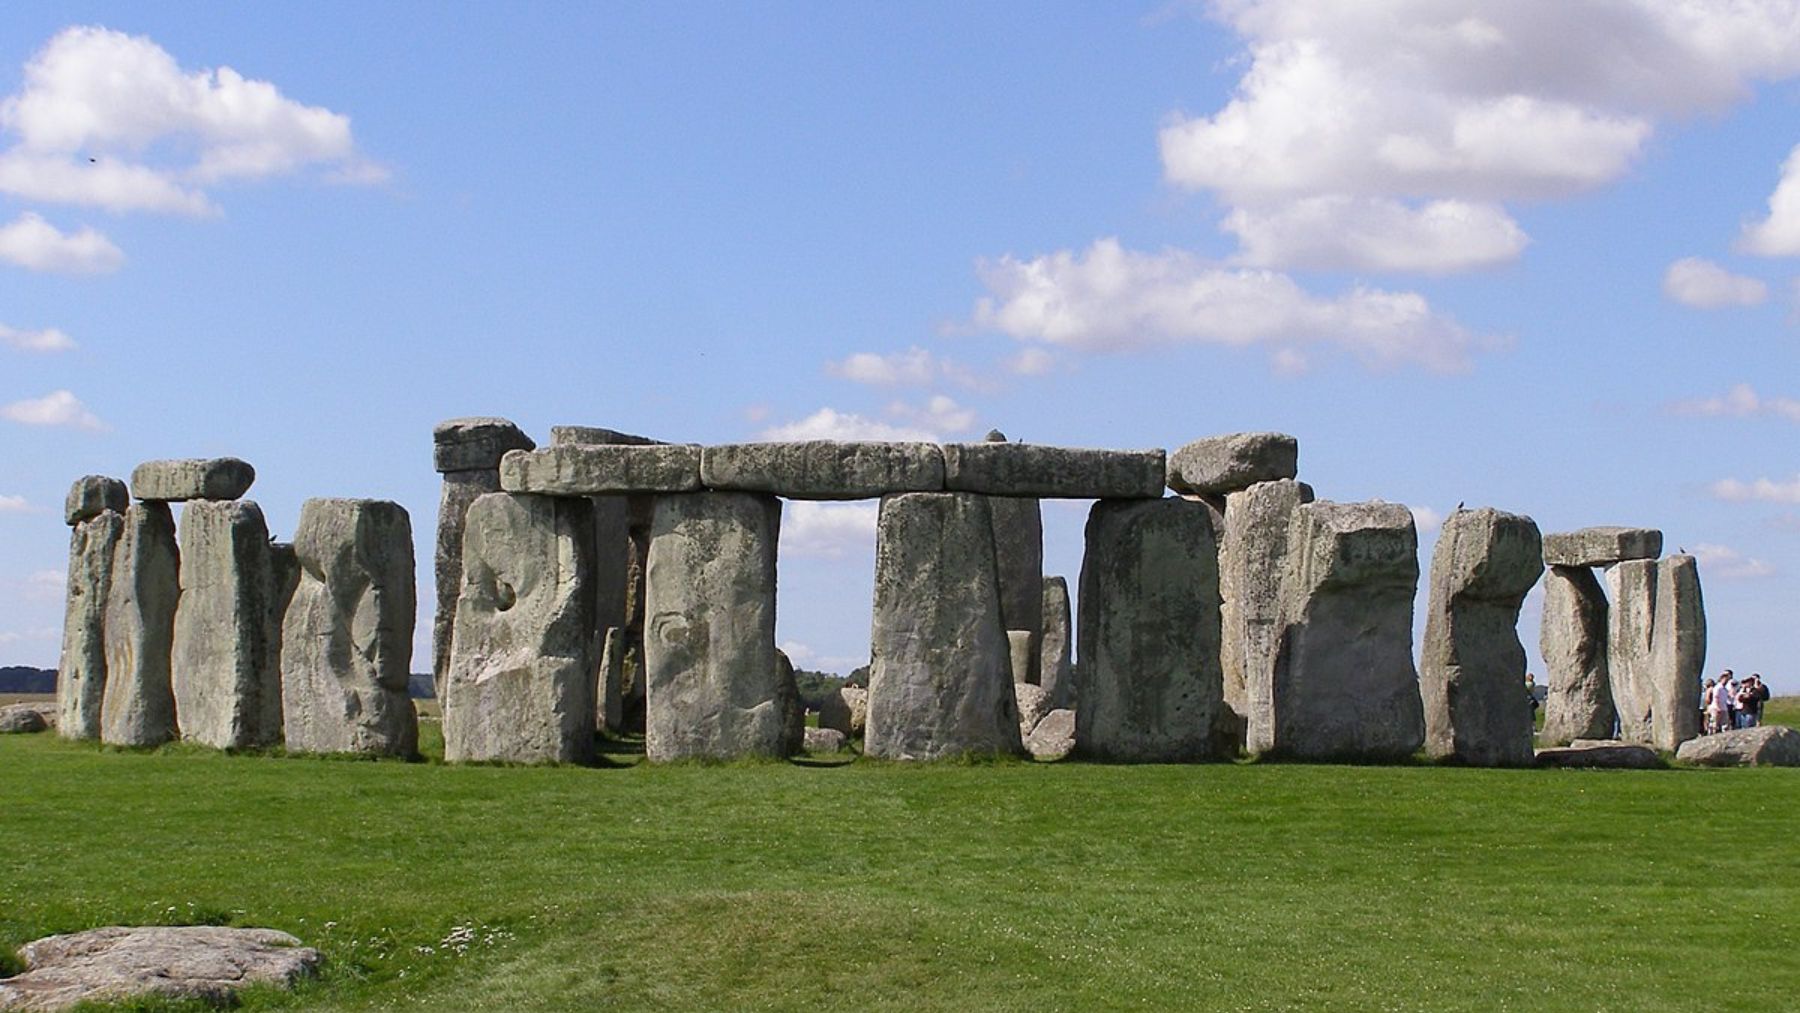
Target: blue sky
{"points": [[1517, 254]]}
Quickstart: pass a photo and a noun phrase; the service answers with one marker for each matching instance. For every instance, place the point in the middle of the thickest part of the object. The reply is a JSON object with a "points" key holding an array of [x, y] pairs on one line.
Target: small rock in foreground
{"points": [[824, 740], [1766, 746], [1592, 753], [110, 964], [23, 718], [1054, 735]]}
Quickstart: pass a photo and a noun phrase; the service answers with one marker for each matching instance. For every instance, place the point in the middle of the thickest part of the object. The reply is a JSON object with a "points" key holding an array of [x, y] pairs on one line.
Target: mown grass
{"points": [[1007, 886]]}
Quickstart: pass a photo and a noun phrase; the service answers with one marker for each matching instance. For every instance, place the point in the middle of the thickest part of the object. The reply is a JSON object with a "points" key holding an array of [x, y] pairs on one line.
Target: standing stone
{"points": [[845, 709], [1344, 686], [81, 675], [347, 635], [1020, 648], [467, 453], [1630, 629], [940, 680], [1677, 654], [284, 581], [222, 661], [1472, 675], [1019, 554], [714, 682], [93, 495], [793, 709], [610, 690], [1253, 557], [139, 709], [1151, 688], [521, 682], [1572, 640], [1055, 668]]}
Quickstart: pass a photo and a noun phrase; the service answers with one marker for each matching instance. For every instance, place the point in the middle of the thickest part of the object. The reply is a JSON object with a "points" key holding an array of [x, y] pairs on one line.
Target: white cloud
{"points": [[1721, 561], [1108, 298], [1030, 362], [1426, 519], [1693, 281], [111, 120], [940, 415], [1740, 401], [1337, 231], [59, 408], [13, 504], [1763, 490], [1386, 109], [828, 530], [1778, 235], [831, 424], [47, 340], [36, 245]]}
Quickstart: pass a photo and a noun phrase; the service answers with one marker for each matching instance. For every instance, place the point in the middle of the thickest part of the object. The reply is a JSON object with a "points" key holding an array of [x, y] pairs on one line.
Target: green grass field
{"points": [[1010, 886]]}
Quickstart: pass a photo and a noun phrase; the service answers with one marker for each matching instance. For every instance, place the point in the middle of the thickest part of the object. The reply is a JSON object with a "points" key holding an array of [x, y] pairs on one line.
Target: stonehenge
{"points": [[1473, 665], [610, 583]]}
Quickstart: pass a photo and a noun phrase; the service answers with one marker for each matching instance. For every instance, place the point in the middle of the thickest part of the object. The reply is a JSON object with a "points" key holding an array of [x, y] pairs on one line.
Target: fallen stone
{"points": [[1025, 469], [599, 470], [223, 663], [1054, 736], [1630, 638], [1572, 641], [81, 673], [1033, 703], [221, 478], [824, 469], [1610, 755], [1150, 680], [714, 683], [1056, 671], [475, 444], [22, 718], [940, 680], [1677, 653], [521, 681], [1344, 686], [93, 495], [139, 708], [1601, 546], [1763, 746], [347, 636], [201, 963], [1472, 669], [1253, 556], [845, 709], [824, 740], [1223, 464]]}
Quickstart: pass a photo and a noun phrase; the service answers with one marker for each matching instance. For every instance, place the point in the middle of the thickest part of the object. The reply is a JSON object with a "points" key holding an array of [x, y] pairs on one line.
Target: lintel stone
{"points": [[602, 469], [824, 469], [1028, 469], [476, 443], [1601, 546], [1222, 464], [220, 478]]}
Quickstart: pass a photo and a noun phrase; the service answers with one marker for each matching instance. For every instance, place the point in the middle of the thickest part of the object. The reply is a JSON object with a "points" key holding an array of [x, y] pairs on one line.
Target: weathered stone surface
{"points": [[563, 436], [284, 581], [81, 674], [1763, 746], [609, 705], [1252, 560], [940, 680], [521, 681], [347, 635], [845, 709], [1054, 736], [93, 495], [460, 489], [223, 661], [1151, 687], [184, 962], [1027, 469], [1472, 669], [1224, 464], [714, 681], [824, 740], [613, 519], [1601, 546], [1020, 651], [220, 478], [793, 709], [1630, 637], [1019, 559], [1572, 639], [139, 709], [1056, 672], [1614, 755], [475, 444], [1344, 686], [1033, 703], [22, 718], [824, 469], [602, 469], [1677, 654]]}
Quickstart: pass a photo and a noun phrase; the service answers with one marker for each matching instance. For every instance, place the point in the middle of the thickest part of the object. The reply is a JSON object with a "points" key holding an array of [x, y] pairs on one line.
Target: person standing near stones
{"points": [[1724, 702], [1750, 699], [1708, 713]]}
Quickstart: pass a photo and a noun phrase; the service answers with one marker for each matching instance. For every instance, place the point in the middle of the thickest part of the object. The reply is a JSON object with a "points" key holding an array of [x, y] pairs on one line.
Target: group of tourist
{"points": [[1728, 702]]}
